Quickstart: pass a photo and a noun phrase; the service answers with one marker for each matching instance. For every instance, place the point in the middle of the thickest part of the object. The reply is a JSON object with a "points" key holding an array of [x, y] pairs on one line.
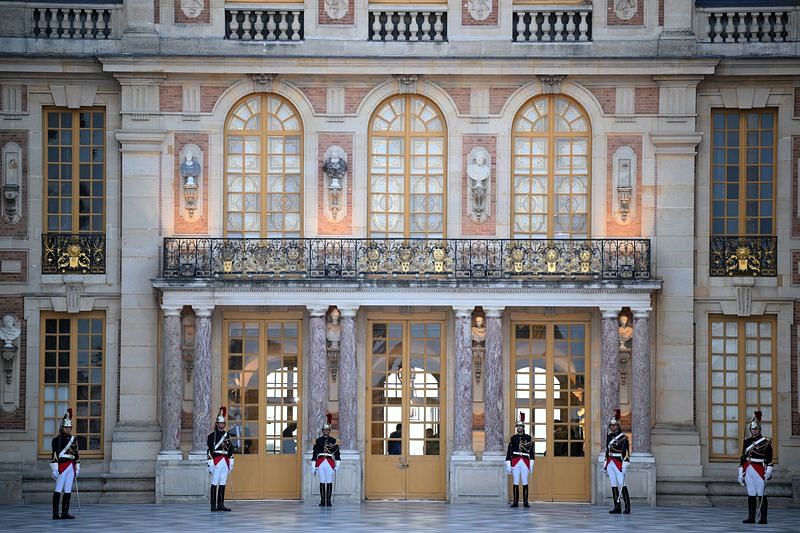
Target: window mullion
{"points": [[75, 149], [264, 210], [407, 166], [742, 173]]}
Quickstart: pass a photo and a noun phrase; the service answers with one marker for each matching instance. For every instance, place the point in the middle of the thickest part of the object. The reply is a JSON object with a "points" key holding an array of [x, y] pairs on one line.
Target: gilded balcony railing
{"points": [[740, 255], [407, 259], [66, 253]]}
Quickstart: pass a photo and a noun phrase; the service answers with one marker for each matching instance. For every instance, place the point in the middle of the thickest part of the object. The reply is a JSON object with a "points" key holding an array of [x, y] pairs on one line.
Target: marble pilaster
{"points": [[493, 382], [317, 373], [462, 398], [640, 370], [348, 374], [201, 381], [171, 383], [609, 385]]}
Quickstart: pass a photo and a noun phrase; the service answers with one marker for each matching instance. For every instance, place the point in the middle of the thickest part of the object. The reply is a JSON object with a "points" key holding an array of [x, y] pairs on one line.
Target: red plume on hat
{"points": [[328, 418], [756, 421], [521, 421], [222, 414]]}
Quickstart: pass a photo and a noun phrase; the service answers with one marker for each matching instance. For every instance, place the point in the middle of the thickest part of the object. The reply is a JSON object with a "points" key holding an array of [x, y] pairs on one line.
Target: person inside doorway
{"points": [[431, 442], [288, 442], [395, 446]]}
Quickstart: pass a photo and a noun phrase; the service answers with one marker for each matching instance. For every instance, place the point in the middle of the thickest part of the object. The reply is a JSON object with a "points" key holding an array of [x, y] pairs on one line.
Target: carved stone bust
{"points": [[190, 168], [479, 171], [9, 331], [333, 333], [335, 166], [625, 332], [478, 331]]}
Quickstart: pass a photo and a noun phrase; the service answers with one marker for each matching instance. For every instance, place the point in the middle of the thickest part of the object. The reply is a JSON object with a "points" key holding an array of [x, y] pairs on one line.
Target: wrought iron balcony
{"points": [[407, 259], [66, 253], [740, 255]]}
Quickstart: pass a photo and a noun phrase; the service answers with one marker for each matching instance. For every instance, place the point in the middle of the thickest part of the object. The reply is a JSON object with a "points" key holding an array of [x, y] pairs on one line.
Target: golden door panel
{"points": [[549, 383], [405, 457], [262, 387]]}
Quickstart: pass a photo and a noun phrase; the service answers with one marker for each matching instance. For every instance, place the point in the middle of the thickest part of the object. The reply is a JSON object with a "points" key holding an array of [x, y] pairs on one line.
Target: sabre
{"points": [[333, 488], [78, 493], [761, 498]]}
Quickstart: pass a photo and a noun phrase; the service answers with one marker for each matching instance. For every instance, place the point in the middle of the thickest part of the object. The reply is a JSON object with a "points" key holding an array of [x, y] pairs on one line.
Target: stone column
{"points": [[348, 377], [493, 382], [640, 360], [317, 374], [462, 441], [609, 386], [201, 381], [171, 383]]}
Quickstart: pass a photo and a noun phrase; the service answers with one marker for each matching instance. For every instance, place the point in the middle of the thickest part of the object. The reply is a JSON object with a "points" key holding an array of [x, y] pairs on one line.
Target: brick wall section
{"points": [[607, 96], [353, 96], [498, 97], [461, 97], [634, 227], [347, 19], [470, 228], [636, 20], [170, 98], [794, 358], [209, 94], [661, 13], [795, 186], [15, 305], [18, 230], [796, 267], [318, 96], [467, 20], [204, 18], [157, 11], [796, 101], [200, 224], [646, 101], [187, 422], [14, 255], [325, 226]]}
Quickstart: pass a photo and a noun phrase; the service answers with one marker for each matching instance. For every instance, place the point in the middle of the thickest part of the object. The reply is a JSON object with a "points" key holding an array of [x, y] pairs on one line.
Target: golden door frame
{"points": [[561, 478], [261, 475], [406, 476]]}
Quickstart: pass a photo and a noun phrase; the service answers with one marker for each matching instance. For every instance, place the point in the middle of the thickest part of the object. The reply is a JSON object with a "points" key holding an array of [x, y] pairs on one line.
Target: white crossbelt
{"points": [[63, 453], [755, 460], [615, 454], [756, 443], [324, 455]]}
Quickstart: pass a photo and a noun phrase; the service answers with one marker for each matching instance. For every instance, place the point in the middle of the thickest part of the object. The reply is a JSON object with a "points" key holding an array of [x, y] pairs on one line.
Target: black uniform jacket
{"points": [[59, 443], [523, 444], [224, 449], [620, 449], [326, 445], [760, 453]]}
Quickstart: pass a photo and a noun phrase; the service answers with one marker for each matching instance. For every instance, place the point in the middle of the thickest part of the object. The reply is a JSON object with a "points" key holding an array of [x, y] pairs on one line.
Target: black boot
{"points": [[627, 499], [329, 494], [762, 514], [617, 508], [525, 496], [213, 498], [56, 499], [751, 510], [516, 496], [221, 499], [65, 507], [322, 491]]}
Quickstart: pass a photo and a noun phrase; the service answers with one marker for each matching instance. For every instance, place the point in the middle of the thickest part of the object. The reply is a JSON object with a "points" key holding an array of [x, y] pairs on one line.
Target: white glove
{"points": [[210, 464], [508, 467], [77, 469], [231, 464], [532, 463], [336, 468], [625, 465], [741, 476], [54, 470], [313, 469], [768, 473]]}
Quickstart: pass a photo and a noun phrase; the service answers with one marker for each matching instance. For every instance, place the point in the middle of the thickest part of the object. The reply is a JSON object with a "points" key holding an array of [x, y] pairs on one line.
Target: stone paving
{"points": [[407, 517]]}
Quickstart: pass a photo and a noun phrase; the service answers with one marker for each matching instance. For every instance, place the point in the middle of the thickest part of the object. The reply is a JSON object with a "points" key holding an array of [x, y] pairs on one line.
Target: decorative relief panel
{"points": [[192, 12], [190, 186], [479, 13], [336, 12], [625, 13]]}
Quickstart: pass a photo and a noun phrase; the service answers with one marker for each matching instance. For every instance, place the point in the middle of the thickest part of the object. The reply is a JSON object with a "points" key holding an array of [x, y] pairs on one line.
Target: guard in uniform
{"points": [[519, 461], [65, 466], [220, 461], [325, 461], [618, 457], [755, 469]]}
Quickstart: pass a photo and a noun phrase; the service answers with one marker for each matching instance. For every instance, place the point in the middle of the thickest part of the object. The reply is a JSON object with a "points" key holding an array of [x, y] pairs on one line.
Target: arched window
{"points": [[263, 169], [407, 169], [550, 190]]}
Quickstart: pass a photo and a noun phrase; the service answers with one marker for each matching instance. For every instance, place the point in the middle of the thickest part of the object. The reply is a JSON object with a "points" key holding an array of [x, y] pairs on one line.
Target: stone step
{"points": [[94, 488]]}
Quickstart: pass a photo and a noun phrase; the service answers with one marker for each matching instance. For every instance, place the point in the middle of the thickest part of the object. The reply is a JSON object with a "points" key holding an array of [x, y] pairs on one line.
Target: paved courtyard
{"points": [[408, 517]]}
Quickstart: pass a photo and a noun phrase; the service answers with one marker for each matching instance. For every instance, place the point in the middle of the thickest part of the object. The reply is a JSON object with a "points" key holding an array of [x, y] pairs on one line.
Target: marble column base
{"points": [[347, 484], [181, 480], [477, 481], [640, 480]]}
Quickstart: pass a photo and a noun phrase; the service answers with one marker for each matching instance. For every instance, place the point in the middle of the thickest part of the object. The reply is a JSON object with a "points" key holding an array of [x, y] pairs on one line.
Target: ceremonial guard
{"points": [[755, 469], [65, 466], [220, 461], [618, 457], [519, 461], [325, 462]]}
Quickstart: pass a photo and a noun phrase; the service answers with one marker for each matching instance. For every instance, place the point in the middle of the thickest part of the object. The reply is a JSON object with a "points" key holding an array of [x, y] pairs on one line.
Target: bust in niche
{"points": [[9, 331], [625, 332], [190, 169]]}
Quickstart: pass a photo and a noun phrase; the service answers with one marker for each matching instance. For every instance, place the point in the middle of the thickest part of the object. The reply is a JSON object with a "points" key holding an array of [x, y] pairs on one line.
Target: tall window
{"points": [[75, 171], [550, 193], [407, 169], [743, 170], [73, 349], [263, 169], [742, 352]]}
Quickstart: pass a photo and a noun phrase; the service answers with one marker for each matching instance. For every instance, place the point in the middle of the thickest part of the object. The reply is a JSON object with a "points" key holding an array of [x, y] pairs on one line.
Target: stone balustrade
{"points": [[408, 23], [537, 24], [276, 23], [59, 21], [748, 24]]}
